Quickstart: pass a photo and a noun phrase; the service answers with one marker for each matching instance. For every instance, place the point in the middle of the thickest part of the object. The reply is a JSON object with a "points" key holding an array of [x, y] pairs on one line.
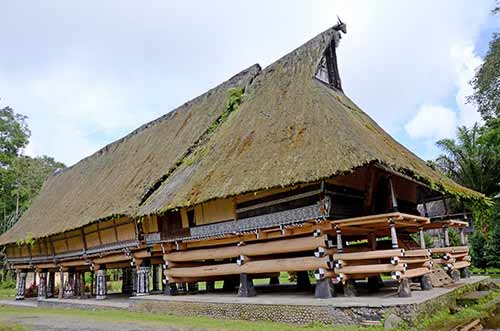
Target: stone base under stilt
{"points": [[246, 287]]}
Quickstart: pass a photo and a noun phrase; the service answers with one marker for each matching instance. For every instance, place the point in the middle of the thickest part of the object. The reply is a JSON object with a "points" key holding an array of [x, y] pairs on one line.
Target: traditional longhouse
{"points": [[275, 170]]}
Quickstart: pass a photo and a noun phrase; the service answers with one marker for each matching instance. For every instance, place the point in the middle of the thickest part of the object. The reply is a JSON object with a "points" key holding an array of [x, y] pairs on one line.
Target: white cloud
{"points": [[432, 122], [466, 63]]}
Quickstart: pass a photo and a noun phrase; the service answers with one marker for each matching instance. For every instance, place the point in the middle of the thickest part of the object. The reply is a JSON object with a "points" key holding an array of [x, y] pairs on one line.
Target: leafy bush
{"points": [[8, 284]]}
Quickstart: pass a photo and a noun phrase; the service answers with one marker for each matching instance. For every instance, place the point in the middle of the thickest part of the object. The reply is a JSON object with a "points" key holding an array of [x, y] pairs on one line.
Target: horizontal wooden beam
{"points": [[415, 272], [369, 255], [370, 268], [112, 259], [254, 267], [271, 247]]}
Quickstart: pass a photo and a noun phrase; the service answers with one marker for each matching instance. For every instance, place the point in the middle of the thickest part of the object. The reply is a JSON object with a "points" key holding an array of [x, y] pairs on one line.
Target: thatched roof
{"points": [[290, 128]]}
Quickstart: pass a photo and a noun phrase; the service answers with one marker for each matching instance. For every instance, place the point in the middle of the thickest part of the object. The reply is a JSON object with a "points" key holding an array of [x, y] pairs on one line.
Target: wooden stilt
{"points": [[394, 237], [426, 282], [303, 281], [246, 288], [21, 285], [375, 283], [350, 289], [61, 283], [210, 286], [324, 289], [101, 288], [42, 287], [422, 238], [155, 278], [274, 281], [446, 236], [50, 284], [404, 289]]}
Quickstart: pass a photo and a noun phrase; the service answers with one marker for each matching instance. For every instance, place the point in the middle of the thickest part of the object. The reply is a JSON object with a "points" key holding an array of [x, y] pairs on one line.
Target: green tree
{"points": [[493, 247], [21, 177], [14, 135], [478, 250], [471, 159], [486, 82], [30, 173]]}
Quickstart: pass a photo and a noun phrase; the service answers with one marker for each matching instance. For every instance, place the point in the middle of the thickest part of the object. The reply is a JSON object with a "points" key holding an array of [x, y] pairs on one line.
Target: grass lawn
{"points": [[171, 320], [439, 321], [492, 272], [7, 293]]}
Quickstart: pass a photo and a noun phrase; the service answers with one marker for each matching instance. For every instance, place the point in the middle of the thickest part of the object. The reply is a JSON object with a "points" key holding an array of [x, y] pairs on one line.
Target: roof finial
{"points": [[340, 26]]}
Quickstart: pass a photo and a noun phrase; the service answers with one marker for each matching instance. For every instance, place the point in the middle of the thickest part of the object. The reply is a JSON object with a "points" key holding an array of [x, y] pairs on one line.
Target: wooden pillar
{"points": [[210, 286], [246, 287], [92, 282], [156, 285], [324, 289], [127, 282], [42, 287], [394, 237], [34, 279], [77, 284], [142, 280], [462, 237], [394, 201], [372, 241], [274, 281], [340, 248], [404, 289], [192, 288], [82, 284], [61, 283], [69, 288], [422, 238], [446, 236], [101, 288], [20, 285], [51, 280], [134, 281], [303, 281]]}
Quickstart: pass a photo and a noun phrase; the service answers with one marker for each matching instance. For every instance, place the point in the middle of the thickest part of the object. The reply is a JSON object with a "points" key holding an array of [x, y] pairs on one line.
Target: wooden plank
{"points": [[442, 250], [417, 253], [272, 247], [217, 278], [275, 233], [370, 268], [370, 255], [414, 260], [415, 272], [111, 258], [461, 264], [74, 263], [253, 267]]}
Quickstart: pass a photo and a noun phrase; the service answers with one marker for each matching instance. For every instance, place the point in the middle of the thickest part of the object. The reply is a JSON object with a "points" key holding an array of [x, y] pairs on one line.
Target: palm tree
{"points": [[471, 160]]}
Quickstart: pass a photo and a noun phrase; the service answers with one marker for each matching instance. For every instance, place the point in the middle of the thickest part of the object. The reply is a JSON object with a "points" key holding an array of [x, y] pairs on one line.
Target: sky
{"points": [[88, 72]]}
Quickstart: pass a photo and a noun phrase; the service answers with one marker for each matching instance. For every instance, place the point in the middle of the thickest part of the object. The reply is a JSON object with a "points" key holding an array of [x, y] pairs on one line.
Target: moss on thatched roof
{"points": [[290, 128]]}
